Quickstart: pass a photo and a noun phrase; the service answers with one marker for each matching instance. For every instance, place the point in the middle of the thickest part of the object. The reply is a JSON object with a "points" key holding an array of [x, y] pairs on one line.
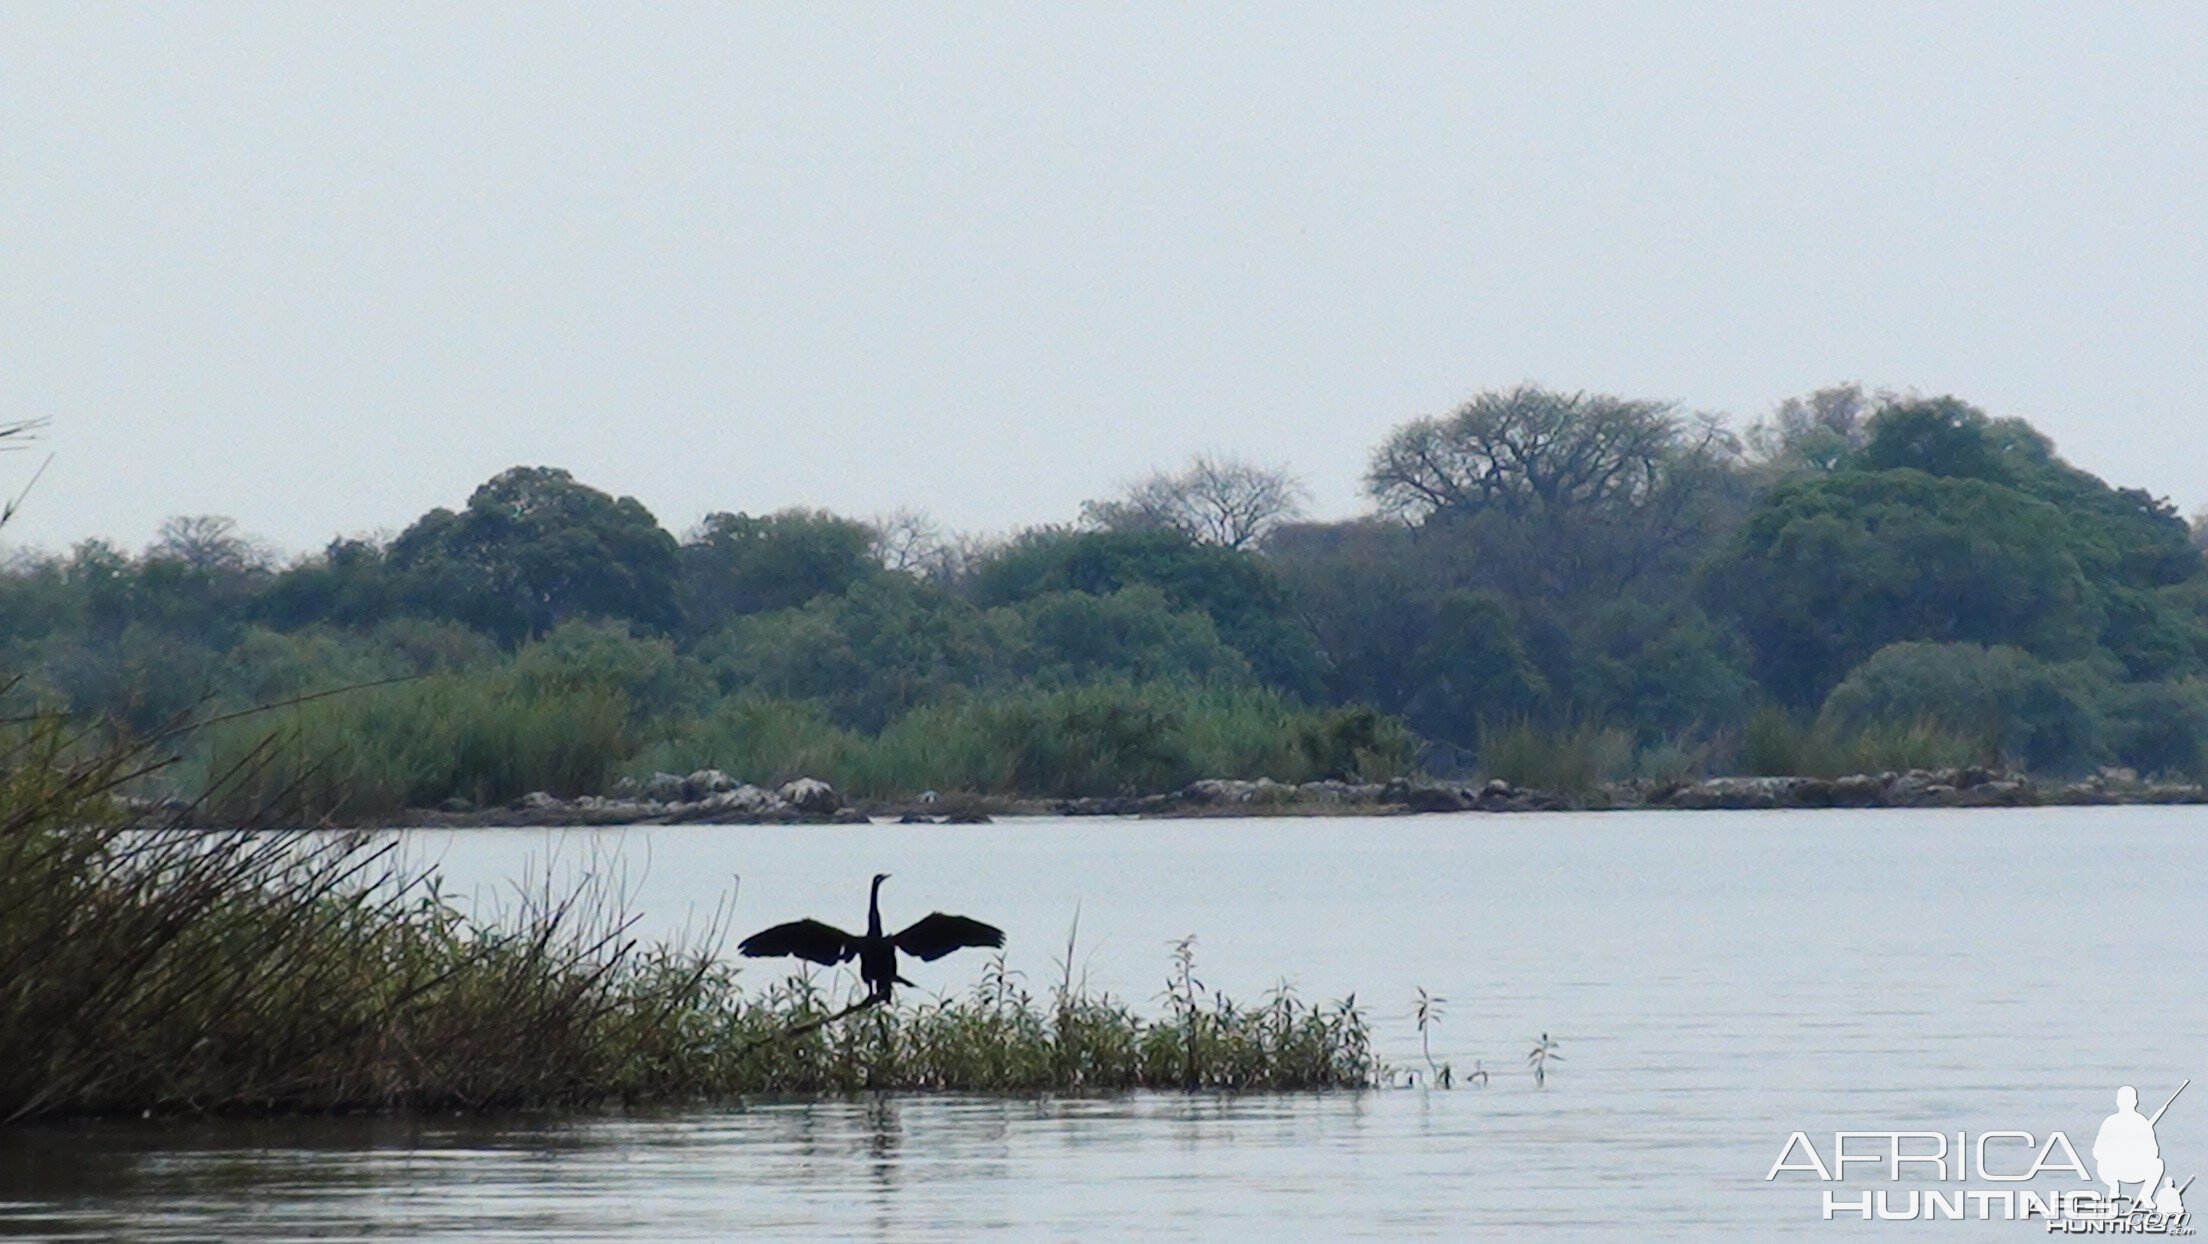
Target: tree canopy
{"points": [[1831, 569], [533, 548], [1610, 569]]}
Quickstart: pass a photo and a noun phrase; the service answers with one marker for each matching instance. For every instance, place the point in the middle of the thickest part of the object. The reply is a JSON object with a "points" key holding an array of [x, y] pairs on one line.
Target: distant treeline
{"points": [[1857, 577]]}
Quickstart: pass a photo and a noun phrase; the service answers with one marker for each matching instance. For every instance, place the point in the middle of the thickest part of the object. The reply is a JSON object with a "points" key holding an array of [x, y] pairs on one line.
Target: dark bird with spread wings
{"points": [[930, 937]]}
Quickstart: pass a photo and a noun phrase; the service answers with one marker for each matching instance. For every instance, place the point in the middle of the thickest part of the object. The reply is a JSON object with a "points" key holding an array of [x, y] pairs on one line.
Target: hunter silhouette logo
{"points": [[2137, 1195], [2126, 1152]]}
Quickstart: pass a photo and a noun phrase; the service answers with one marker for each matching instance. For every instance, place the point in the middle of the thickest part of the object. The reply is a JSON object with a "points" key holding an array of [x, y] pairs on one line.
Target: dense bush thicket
{"points": [[1548, 580]]}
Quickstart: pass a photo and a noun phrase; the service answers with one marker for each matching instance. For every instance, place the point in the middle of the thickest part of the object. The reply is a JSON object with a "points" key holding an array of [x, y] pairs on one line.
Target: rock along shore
{"points": [[711, 797]]}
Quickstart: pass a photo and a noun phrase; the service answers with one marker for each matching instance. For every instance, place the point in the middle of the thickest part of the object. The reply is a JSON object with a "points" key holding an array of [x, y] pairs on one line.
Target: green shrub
{"points": [[2031, 714], [2161, 729]]}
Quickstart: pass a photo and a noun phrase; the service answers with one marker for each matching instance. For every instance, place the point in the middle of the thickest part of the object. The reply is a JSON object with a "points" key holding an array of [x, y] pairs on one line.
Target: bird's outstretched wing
{"points": [[807, 939], [935, 935]]}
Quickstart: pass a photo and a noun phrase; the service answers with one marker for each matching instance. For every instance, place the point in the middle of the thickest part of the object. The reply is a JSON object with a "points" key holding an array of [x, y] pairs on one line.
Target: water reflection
{"points": [[1547, 1164], [1716, 982]]}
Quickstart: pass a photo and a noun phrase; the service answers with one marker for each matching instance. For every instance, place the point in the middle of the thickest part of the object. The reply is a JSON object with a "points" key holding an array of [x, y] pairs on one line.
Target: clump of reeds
{"points": [[1774, 743], [483, 737], [490, 736], [1000, 1038], [1116, 738], [1568, 759], [152, 967]]}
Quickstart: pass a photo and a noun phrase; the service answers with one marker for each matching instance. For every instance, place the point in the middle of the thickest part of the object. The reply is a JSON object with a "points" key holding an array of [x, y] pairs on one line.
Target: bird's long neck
{"points": [[874, 910]]}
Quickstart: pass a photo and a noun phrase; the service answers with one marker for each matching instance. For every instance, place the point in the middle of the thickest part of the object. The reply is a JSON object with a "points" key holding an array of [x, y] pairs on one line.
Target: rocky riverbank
{"points": [[711, 797]]}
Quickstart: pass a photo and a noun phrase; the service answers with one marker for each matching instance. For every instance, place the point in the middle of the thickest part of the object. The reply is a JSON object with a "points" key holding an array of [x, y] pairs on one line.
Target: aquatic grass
{"points": [[1584, 756], [1774, 743], [151, 967], [1089, 739], [486, 738], [1569, 759], [1543, 1053], [998, 1037], [763, 739], [1426, 1012], [359, 754], [159, 968]]}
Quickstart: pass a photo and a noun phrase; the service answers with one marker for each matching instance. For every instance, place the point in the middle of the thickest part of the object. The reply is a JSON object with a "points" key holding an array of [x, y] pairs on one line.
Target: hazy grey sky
{"points": [[322, 268]]}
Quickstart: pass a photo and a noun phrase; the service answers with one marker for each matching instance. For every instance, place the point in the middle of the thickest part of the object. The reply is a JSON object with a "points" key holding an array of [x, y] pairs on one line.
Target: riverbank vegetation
{"points": [[159, 969], [1556, 589]]}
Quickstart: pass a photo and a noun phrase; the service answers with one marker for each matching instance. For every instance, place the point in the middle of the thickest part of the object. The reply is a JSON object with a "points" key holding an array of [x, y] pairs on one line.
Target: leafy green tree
{"points": [[2095, 566], [2122, 534], [1415, 621], [1368, 591], [108, 581], [1831, 569], [267, 666], [1062, 638], [2156, 634], [39, 599], [435, 645], [348, 584], [645, 671], [1476, 669], [735, 564], [534, 548], [1663, 672], [1821, 431], [197, 581], [1237, 590], [886, 646], [1943, 436], [2161, 728], [143, 680]]}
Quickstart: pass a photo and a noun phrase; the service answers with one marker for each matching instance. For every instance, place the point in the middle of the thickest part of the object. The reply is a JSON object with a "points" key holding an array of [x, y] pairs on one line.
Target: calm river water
{"points": [[1714, 981]]}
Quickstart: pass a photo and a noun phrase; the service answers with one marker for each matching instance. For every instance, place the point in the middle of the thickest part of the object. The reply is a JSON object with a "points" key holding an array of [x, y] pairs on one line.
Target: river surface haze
{"points": [[1714, 981]]}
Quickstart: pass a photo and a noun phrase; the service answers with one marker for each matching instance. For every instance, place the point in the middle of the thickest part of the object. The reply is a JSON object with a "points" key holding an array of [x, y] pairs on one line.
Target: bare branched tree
{"points": [[910, 542], [1215, 500], [1525, 452], [954, 557], [210, 542], [2200, 530], [905, 540], [1574, 495]]}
